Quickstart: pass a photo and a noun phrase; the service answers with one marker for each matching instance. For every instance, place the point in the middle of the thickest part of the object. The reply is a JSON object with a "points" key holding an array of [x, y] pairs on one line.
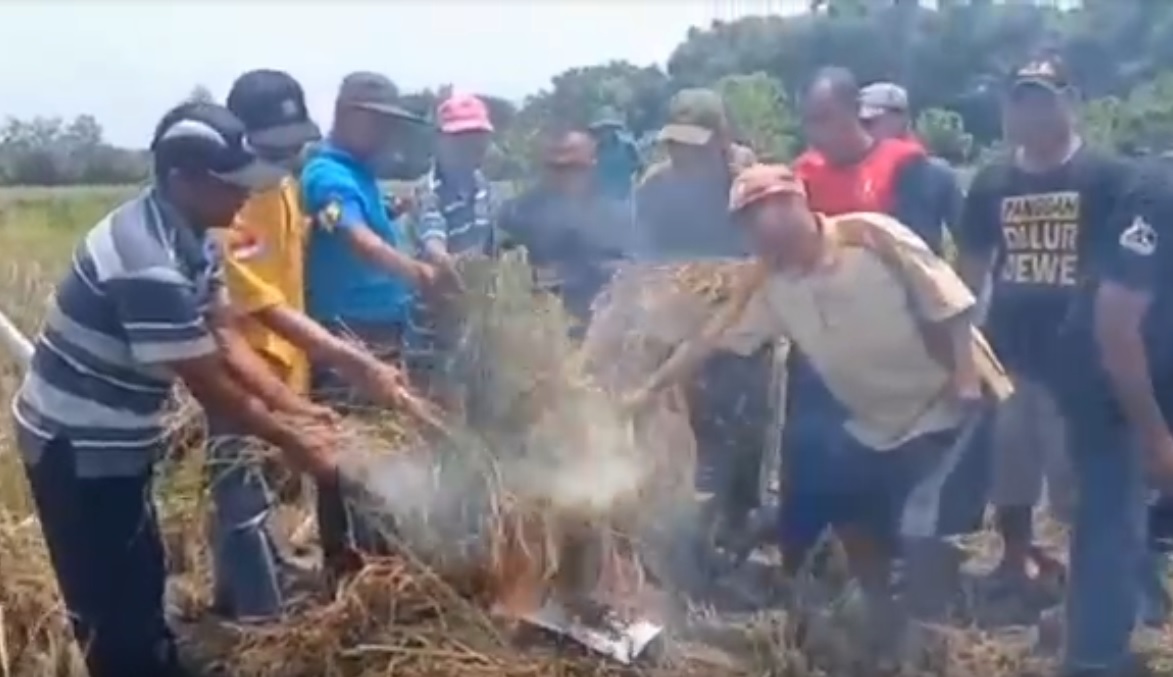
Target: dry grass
{"points": [[423, 613]]}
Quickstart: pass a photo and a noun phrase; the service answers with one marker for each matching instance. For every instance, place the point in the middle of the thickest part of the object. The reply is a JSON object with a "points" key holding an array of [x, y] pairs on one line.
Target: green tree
{"points": [[759, 113], [1103, 121], [1148, 117], [943, 132]]}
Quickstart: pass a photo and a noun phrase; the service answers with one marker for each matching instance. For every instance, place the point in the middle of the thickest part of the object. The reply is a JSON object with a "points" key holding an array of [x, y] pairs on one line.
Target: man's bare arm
{"points": [[215, 387], [683, 363], [690, 355], [254, 374], [317, 342], [370, 247]]}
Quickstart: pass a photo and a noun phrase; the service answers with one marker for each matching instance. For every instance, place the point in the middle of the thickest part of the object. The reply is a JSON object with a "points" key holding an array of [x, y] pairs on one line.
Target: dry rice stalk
{"points": [[487, 510]]}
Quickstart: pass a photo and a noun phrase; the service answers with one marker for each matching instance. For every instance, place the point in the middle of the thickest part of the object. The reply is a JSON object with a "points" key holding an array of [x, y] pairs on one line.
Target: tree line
{"points": [[952, 58]]}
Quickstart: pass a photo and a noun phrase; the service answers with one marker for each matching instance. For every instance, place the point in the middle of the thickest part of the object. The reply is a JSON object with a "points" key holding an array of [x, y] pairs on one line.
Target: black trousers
{"points": [[731, 418], [340, 528], [104, 543]]}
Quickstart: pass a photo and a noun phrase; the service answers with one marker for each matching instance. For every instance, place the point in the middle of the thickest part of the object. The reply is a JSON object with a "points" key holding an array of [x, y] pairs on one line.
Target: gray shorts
{"points": [[1030, 451]]}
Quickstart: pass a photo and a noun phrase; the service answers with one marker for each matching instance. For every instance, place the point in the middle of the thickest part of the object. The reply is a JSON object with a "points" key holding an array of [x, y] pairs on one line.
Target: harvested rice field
{"points": [[490, 519]]}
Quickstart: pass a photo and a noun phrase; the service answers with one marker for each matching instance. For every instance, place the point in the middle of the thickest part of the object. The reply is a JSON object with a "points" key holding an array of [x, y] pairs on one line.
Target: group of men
{"points": [[247, 266], [919, 389], [266, 270]]}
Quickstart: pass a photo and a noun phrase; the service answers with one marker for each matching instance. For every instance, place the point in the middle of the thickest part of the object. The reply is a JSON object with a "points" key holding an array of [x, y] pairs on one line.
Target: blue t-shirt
{"points": [[339, 193], [617, 164]]}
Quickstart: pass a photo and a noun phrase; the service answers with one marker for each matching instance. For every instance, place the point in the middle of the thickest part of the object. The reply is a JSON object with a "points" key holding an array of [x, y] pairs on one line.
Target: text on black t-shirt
{"points": [[1047, 230]]}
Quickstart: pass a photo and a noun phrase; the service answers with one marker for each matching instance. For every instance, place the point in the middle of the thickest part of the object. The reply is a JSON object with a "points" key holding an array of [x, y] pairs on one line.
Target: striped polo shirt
{"points": [[135, 299], [455, 209]]}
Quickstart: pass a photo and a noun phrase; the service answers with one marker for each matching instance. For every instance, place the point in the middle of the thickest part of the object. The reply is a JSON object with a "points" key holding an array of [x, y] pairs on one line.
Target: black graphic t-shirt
{"points": [[1048, 231], [1141, 258]]}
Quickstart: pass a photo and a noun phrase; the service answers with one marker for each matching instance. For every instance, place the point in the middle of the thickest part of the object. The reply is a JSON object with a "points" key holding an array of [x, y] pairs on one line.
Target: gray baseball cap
{"points": [[880, 98], [376, 93]]}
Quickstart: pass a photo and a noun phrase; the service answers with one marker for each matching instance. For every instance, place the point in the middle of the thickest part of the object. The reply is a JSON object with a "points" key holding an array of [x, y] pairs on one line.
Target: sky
{"points": [[127, 62]]}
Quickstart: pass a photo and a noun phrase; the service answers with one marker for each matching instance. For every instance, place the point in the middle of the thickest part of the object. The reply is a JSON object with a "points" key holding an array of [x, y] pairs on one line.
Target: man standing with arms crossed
{"points": [[142, 307]]}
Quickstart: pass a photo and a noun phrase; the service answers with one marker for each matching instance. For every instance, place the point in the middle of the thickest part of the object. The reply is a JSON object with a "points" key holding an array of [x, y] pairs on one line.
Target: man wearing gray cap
{"points": [[884, 111], [883, 107], [360, 278]]}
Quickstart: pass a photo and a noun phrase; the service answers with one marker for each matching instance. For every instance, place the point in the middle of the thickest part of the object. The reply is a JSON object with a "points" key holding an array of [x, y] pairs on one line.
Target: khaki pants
{"points": [[1030, 451]]}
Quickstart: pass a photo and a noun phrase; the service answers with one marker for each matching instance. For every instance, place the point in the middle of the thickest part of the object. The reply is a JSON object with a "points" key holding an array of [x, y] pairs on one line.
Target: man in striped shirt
{"points": [[453, 206], [137, 311]]}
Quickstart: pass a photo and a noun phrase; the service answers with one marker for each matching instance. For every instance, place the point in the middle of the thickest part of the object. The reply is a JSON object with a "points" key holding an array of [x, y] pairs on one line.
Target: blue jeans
{"points": [[248, 570], [1110, 568]]}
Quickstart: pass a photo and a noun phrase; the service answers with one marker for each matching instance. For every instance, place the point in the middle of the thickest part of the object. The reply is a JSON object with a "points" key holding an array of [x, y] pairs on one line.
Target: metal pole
{"points": [[15, 344]]}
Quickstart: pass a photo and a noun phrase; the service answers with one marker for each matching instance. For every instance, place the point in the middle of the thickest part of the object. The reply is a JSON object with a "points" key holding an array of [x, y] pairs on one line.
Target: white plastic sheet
{"points": [[621, 641]]}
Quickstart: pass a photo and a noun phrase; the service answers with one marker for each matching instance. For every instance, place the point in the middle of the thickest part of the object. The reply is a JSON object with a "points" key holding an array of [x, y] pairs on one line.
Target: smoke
{"points": [[539, 435]]}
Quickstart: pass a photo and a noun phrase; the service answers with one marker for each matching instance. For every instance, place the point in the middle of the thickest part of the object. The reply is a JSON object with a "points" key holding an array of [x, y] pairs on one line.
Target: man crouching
{"points": [[886, 324]]}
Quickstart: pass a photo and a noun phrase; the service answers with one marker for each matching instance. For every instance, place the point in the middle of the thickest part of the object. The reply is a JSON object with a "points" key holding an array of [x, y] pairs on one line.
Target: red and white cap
{"points": [[464, 113]]}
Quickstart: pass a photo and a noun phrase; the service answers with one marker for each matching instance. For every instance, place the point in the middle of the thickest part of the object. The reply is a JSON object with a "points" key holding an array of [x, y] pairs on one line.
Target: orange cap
{"points": [[760, 181]]}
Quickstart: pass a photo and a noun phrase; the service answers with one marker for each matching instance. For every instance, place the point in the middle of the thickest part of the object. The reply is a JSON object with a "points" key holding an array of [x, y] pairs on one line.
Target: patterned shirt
{"points": [[455, 210], [135, 299]]}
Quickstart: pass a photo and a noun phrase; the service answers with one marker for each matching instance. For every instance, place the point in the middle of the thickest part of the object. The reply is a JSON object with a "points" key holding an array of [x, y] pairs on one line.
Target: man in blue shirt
{"points": [[142, 306], [619, 160], [360, 278], [574, 237]]}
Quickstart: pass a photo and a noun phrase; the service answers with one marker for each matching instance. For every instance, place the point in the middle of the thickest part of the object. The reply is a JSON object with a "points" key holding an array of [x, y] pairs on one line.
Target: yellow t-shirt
{"points": [[263, 260]]}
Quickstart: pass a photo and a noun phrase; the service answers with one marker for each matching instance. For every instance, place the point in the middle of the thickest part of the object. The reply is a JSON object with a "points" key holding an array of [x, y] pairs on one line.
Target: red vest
{"points": [[866, 186]]}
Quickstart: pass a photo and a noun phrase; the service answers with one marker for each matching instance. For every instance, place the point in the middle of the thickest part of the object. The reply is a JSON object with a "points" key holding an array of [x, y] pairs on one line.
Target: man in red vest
{"points": [[847, 170], [885, 113]]}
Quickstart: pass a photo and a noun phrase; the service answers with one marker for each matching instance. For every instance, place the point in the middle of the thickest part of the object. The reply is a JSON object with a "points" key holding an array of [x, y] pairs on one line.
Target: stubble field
{"points": [[38, 228]]}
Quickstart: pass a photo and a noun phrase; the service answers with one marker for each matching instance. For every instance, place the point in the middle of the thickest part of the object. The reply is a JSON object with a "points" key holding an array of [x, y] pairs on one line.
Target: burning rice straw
{"points": [[545, 492]]}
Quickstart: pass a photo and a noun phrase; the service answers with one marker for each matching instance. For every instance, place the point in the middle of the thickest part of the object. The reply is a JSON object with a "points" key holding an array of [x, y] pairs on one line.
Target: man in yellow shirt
{"points": [[263, 258]]}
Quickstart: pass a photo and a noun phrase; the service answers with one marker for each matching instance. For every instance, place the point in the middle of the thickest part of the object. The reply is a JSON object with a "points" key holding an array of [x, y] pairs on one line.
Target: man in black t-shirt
{"points": [[1118, 392], [1033, 222], [574, 236], [1040, 221]]}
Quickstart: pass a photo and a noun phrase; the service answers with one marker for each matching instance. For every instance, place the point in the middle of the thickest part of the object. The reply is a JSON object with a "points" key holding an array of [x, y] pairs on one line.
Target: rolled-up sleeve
{"points": [[159, 309]]}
